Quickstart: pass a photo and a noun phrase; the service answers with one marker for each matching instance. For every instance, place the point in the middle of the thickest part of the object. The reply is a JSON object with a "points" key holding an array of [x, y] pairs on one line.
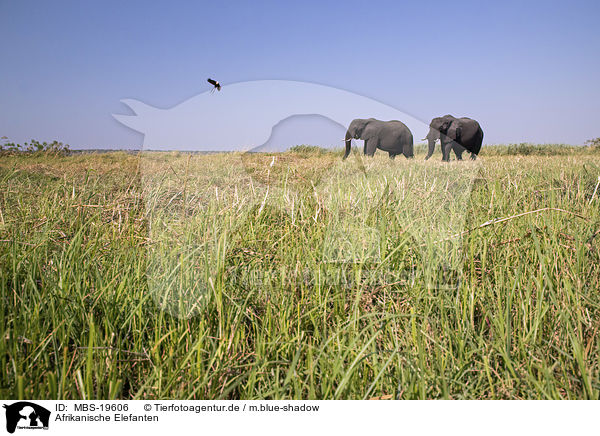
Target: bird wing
{"points": [[213, 82]]}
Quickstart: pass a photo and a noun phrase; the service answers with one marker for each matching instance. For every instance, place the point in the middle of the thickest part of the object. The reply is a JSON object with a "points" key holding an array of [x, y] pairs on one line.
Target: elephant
{"points": [[458, 134], [391, 136]]}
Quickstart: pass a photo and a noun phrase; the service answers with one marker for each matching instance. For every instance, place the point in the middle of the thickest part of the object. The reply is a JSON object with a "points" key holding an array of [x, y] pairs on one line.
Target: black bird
{"points": [[216, 85]]}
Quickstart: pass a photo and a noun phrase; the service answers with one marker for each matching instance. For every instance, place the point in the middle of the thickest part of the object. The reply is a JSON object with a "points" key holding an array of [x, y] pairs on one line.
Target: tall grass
{"points": [[295, 275]]}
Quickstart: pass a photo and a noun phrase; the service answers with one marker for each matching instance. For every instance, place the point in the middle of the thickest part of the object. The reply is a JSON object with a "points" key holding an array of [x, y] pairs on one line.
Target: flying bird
{"points": [[216, 85]]}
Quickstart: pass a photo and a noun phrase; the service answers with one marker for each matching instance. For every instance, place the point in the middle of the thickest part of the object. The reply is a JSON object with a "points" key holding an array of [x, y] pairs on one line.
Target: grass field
{"points": [[297, 275]]}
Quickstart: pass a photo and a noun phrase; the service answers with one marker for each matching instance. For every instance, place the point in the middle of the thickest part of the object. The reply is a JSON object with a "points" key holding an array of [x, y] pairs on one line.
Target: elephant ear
{"points": [[357, 126], [458, 133], [367, 128], [451, 132], [445, 126]]}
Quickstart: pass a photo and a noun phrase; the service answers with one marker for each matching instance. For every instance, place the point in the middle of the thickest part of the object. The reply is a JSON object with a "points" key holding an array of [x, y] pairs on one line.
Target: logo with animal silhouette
{"points": [[26, 415], [243, 115], [258, 185]]}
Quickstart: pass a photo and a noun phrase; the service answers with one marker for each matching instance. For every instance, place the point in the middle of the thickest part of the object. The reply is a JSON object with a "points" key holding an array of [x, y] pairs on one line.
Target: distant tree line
{"points": [[54, 147], [595, 143]]}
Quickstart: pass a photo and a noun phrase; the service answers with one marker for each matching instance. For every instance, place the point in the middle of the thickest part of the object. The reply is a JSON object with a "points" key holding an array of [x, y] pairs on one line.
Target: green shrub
{"points": [[308, 149], [593, 144], [54, 147], [527, 149]]}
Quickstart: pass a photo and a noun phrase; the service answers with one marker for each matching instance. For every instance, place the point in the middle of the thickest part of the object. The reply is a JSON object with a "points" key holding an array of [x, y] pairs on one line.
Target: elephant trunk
{"points": [[431, 137], [348, 141]]}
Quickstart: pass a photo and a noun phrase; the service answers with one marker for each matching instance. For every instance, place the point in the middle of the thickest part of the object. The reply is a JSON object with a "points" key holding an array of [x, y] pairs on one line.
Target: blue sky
{"points": [[528, 71]]}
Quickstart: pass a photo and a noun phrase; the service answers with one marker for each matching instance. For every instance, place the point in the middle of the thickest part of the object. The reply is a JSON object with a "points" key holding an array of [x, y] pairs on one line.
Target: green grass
{"points": [[223, 276]]}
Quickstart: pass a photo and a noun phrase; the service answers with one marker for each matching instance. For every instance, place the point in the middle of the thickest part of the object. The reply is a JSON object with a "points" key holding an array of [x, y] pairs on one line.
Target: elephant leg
{"points": [[392, 156], [370, 147], [473, 156], [446, 152], [365, 147], [458, 153]]}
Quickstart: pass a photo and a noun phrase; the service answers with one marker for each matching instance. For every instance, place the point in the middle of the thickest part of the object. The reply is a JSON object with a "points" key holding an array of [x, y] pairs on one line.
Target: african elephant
{"points": [[458, 134], [391, 136]]}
